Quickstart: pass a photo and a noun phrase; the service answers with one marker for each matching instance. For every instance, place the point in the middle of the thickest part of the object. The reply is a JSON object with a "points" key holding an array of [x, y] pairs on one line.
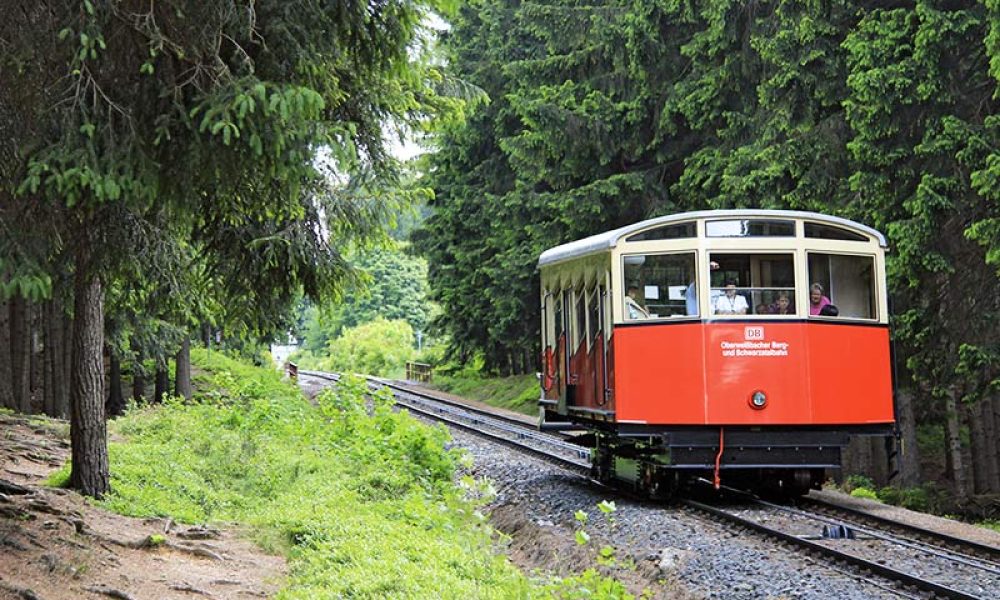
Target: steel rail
{"points": [[321, 375], [525, 422], [976, 549], [511, 432], [898, 541], [481, 422], [857, 561]]}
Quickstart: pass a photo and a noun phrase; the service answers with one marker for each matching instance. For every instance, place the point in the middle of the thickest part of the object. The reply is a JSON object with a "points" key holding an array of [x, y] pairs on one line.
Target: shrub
{"points": [[380, 347], [854, 481], [925, 498], [863, 492]]}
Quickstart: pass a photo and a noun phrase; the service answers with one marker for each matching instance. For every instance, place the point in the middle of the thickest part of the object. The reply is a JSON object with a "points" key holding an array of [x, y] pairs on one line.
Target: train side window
{"points": [[750, 228], [557, 316], [580, 308], [752, 284], [829, 232], [594, 317], [845, 281], [658, 284], [675, 231]]}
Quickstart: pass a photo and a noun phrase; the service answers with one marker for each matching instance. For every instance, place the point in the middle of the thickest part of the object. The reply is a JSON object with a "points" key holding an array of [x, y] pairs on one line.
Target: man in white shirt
{"points": [[730, 303], [633, 310]]}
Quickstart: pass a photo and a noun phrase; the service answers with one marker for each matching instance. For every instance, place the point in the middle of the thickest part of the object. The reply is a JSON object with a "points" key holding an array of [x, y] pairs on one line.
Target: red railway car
{"points": [[745, 346]]}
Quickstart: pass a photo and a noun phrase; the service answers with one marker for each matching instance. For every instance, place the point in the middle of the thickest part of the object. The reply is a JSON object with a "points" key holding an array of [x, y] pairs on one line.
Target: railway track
{"points": [[858, 518], [924, 562], [924, 567], [500, 428]]}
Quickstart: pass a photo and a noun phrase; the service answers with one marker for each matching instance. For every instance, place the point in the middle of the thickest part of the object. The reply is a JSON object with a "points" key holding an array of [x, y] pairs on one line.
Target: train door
{"points": [[559, 312], [599, 331], [595, 339]]}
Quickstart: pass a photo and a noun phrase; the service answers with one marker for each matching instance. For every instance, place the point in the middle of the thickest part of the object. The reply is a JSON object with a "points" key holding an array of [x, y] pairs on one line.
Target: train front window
{"points": [[842, 286], [752, 284], [657, 285]]}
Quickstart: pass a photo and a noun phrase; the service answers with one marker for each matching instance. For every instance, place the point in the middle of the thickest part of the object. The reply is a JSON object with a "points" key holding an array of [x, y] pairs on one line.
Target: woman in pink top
{"points": [[816, 299]]}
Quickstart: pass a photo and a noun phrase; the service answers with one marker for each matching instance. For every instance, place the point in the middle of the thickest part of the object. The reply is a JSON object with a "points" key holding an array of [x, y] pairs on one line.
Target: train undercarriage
{"points": [[661, 462]]}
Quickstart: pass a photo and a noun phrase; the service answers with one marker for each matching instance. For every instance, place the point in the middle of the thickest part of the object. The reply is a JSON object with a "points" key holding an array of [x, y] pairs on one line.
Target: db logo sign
{"points": [[753, 333]]}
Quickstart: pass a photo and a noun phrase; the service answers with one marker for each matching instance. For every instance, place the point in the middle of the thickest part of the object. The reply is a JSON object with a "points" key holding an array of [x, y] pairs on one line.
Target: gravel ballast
{"points": [[693, 555]]}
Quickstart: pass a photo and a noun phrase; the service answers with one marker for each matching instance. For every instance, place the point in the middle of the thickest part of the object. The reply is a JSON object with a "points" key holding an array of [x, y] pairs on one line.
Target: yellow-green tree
{"points": [[380, 347]]}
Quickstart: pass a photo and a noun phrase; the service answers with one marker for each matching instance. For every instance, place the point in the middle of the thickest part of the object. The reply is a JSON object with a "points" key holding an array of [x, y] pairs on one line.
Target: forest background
{"points": [[547, 121], [606, 113]]}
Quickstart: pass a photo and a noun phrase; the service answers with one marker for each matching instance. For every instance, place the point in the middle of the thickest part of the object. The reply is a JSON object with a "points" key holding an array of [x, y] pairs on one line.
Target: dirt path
{"points": [[54, 544]]}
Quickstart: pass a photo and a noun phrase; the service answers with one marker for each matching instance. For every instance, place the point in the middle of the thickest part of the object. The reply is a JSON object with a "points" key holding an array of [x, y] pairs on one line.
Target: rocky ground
{"points": [[56, 544], [660, 548]]}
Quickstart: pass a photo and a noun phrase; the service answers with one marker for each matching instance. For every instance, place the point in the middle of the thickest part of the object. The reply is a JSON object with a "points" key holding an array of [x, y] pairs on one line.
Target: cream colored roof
{"points": [[609, 239]]}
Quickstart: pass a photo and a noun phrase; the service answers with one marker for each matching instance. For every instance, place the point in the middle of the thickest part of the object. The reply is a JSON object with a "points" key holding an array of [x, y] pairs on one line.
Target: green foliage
{"points": [[863, 492], [380, 347], [921, 499], [994, 525], [59, 478], [610, 112], [394, 288], [590, 584], [518, 392], [855, 481], [362, 502]]}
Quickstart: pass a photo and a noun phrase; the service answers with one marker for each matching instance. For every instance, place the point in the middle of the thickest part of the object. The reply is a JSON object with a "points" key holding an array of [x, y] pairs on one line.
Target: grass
{"points": [[518, 393], [994, 525], [363, 503]]}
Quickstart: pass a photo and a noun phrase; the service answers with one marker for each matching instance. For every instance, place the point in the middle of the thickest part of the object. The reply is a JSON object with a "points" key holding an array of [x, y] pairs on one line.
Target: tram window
{"points": [[829, 232], [675, 231], [594, 310], [581, 318], [557, 315], [752, 284], [750, 228], [658, 283], [846, 281]]}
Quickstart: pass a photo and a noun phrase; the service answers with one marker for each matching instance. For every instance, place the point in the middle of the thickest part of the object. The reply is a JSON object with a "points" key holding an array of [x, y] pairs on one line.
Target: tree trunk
{"points": [[67, 364], [879, 468], [115, 406], [20, 337], [995, 407], [909, 454], [138, 374], [857, 458], [88, 430], [953, 445], [6, 360], [182, 377], [37, 358], [975, 447], [49, 353], [161, 384], [987, 457]]}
